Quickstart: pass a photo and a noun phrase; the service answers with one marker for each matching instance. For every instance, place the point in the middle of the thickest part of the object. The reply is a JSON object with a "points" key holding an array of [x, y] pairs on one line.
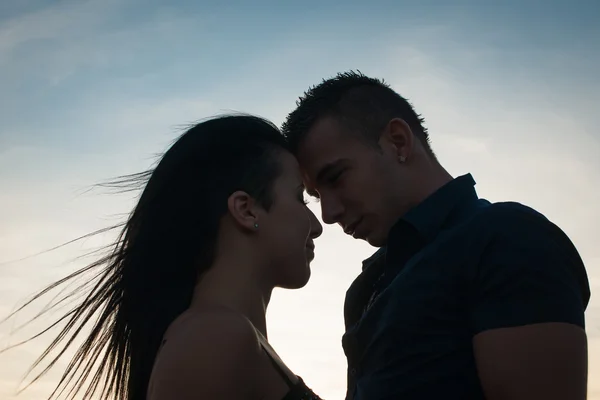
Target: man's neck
{"points": [[434, 178]]}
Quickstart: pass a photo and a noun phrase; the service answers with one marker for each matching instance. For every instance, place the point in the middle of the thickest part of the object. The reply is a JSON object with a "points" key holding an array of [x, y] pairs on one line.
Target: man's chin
{"points": [[375, 240]]}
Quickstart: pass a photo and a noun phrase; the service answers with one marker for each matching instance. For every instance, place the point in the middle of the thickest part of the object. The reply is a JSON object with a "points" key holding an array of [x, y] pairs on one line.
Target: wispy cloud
{"points": [[58, 20]]}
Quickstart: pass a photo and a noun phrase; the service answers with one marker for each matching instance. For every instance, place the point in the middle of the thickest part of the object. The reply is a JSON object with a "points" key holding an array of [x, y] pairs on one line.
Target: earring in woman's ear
{"points": [[402, 159], [256, 225]]}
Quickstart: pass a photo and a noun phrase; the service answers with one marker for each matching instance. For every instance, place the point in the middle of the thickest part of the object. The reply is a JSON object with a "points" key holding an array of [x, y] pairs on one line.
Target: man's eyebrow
{"points": [[322, 174]]}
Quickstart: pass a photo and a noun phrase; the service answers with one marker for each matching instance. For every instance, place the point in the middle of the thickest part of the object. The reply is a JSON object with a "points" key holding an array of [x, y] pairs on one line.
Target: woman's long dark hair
{"points": [[148, 276]]}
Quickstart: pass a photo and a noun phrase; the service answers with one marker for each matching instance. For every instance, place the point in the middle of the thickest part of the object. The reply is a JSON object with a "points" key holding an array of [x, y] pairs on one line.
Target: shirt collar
{"points": [[430, 216]]}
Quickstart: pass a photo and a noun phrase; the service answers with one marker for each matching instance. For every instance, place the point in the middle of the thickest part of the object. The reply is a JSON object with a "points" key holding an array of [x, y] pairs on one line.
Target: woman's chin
{"points": [[298, 281]]}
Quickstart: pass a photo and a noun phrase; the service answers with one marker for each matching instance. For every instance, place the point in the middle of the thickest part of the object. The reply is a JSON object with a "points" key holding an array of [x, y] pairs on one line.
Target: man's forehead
{"points": [[319, 150], [309, 186], [322, 138]]}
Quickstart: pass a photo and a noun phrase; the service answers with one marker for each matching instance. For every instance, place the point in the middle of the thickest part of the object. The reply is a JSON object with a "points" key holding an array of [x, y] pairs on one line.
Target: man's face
{"points": [[360, 187]]}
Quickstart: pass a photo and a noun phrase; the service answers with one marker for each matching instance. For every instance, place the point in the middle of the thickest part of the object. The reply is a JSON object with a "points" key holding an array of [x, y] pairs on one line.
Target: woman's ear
{"points": [[243, 210]]}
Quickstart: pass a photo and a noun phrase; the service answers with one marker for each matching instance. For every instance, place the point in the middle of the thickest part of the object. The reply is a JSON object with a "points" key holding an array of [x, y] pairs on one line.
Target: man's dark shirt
{"points": [[453, 267]]}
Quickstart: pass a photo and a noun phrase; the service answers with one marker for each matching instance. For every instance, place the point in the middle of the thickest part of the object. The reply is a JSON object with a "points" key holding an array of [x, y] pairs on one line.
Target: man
{"points": [[464, 299]]}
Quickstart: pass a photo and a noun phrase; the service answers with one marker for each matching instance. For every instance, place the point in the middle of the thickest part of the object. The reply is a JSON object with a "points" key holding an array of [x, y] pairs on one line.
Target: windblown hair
{"points": [[148, 276]]}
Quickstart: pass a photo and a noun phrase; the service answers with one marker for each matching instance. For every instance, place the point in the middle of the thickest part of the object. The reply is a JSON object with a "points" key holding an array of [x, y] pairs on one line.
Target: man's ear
{"points": [[243, 210], [398, 136]]}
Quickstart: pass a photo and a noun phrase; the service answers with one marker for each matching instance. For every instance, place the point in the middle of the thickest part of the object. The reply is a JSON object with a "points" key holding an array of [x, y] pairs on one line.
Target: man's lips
{"points": [[350, 229]]}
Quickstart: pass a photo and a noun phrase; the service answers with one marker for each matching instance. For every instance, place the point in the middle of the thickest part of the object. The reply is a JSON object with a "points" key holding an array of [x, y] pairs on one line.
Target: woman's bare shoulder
{"points": [[207, 355]]}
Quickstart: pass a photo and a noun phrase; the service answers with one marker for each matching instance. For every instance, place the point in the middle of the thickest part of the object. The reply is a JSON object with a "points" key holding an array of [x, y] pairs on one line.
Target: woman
{"points": [[181, 298]]}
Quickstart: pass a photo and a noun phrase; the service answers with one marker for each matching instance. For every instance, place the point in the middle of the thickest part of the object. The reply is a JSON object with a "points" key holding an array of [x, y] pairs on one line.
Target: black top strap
{"points": [[278, 368]]}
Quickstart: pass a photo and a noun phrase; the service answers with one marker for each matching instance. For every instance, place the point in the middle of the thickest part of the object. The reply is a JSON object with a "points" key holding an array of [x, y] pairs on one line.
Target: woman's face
{"points": [[287, 230]]}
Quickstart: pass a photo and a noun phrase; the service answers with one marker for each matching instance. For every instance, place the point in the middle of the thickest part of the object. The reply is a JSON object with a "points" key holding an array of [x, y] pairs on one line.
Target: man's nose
{"points": [[331, 209]]}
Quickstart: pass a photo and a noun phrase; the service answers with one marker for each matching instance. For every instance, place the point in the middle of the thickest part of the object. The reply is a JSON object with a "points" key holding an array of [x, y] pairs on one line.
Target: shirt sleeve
{"points": [[529, 273]]}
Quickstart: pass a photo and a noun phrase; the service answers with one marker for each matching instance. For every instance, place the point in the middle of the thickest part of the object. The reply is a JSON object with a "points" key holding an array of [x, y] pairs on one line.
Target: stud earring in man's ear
{"points": [[256, 225], [402, 159]]}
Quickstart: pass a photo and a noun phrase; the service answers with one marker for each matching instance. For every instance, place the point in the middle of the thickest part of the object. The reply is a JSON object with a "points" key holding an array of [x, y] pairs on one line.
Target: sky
{"points": [[93, 89]]}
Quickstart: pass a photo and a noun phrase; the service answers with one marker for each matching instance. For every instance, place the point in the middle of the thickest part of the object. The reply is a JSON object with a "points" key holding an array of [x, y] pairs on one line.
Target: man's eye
{"points": [[333, 178]]}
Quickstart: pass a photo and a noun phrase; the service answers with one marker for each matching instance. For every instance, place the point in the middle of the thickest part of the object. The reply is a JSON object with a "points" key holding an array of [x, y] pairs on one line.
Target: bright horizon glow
{"points": [[94, 89]]}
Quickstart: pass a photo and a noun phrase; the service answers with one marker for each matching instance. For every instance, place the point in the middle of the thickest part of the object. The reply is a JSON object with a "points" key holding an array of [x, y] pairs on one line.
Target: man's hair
{"points": [[362, 103]]}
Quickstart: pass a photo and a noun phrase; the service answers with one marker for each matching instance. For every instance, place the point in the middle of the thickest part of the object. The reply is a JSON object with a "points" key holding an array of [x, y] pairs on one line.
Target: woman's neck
{"points": [[232, 290]]}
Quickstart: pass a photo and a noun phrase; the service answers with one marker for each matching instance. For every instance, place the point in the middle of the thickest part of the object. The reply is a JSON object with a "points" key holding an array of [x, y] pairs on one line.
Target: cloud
{"points": [[57, 42], [59, 20]]}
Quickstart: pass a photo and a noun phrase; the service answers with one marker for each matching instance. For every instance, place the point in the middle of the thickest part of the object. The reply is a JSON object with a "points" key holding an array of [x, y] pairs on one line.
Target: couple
{"points": [[463, 300]]}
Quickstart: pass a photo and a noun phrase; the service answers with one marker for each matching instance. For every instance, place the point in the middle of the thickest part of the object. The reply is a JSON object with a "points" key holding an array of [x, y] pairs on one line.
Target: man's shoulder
{"points": [[516, 223], [518, 235], [512, 218], [509, 210]]}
